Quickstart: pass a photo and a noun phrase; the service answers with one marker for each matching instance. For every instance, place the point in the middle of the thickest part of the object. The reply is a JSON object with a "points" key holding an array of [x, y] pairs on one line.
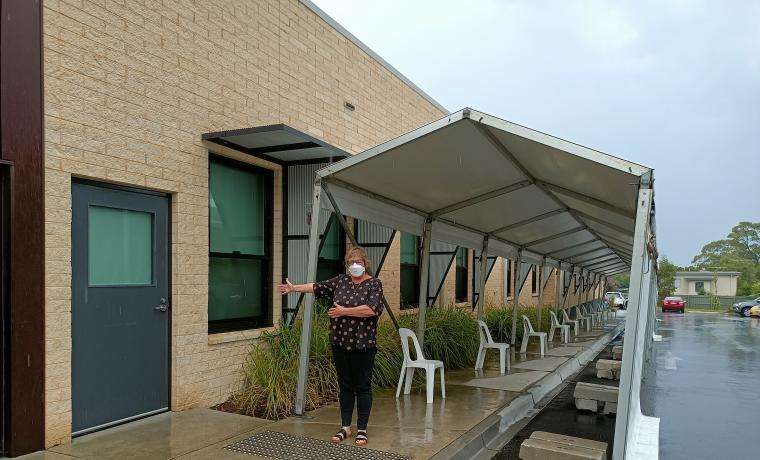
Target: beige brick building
{"points": [[130, 88]]}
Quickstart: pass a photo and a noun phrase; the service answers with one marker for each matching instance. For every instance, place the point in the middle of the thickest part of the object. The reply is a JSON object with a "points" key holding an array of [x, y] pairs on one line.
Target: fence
{"points": [[708, 302]]}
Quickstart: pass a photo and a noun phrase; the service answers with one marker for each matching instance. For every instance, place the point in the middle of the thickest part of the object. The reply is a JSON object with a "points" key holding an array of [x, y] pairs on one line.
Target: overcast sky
{"points": [[674, 85]]}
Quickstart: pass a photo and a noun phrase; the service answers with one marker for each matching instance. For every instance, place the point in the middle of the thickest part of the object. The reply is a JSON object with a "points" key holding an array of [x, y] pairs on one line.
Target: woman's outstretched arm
{"points": [[287, 287]]}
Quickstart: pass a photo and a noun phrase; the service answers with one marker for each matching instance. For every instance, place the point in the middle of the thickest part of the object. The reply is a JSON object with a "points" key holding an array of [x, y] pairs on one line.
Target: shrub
{"points": [[270, 373]]}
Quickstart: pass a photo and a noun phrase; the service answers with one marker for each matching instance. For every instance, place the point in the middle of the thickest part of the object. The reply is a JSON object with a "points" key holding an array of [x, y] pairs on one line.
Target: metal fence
{"points": [[708, 302]]}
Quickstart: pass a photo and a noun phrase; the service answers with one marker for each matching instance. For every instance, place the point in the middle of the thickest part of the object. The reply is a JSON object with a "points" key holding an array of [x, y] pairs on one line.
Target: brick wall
{"points": [[129, 88]]}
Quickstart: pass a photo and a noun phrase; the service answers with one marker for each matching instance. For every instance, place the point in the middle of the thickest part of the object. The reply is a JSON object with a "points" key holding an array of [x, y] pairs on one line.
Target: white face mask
{"points": [[356, 270]]}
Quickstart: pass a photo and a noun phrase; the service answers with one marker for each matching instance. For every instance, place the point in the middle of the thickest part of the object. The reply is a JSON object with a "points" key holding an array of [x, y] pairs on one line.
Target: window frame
{"points": [[461, 271], [266, 319]]}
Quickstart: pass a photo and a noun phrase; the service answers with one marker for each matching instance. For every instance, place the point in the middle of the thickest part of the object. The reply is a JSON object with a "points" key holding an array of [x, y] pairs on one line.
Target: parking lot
{"points": [[704, 386]]}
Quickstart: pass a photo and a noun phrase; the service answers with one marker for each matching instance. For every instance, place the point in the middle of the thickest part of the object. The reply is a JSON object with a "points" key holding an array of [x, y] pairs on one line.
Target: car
{"points": [[673, 304], [743, 308], [616, 298]]}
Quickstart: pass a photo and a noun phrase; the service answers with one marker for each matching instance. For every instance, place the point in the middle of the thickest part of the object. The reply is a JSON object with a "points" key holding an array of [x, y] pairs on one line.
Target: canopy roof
{"points": [[475, 175], [279, 143]]}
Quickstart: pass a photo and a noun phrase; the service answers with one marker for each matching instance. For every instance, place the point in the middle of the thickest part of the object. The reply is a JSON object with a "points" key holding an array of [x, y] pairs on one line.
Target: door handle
{"points": [[162, 306]]}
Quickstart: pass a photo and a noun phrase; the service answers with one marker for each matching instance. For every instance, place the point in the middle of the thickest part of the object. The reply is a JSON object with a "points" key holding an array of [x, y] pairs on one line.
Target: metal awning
{"points": [[474, 175], [279, 144]]}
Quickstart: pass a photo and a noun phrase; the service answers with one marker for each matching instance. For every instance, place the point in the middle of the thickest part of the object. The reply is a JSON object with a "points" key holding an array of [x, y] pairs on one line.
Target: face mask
{"points": [[356, 270]]}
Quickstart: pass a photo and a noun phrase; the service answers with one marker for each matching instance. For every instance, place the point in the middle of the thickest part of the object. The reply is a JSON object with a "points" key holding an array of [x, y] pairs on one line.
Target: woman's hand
{"points": [[337, 311], [287, 287]]}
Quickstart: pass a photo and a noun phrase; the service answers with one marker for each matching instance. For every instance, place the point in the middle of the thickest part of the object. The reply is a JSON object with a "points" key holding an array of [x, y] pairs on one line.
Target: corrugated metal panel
{"points": [[439, 265], [370, 233], [297, 255], [300, 191]]}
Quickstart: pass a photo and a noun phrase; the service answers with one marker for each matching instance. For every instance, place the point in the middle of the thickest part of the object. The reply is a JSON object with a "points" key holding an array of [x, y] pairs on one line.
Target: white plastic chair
{"points": [[581, 316], [487, 342], [608, 313], [585, 312], [529, 332], [567, 321], [602, 313], [407, 369], [556, 326], [596, 315]]}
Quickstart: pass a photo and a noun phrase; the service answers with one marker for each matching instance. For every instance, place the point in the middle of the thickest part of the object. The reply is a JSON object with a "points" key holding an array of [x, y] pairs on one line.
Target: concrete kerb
{"points": [[544, 386], [487, 435]]}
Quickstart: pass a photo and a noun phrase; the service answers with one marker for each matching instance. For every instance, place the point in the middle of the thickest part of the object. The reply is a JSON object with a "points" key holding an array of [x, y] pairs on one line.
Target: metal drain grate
{"points": [[273, 444]]}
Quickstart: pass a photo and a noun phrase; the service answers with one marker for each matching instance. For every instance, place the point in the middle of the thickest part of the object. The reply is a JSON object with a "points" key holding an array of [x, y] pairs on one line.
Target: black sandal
{"points": [[361, 438], [340, 436]]}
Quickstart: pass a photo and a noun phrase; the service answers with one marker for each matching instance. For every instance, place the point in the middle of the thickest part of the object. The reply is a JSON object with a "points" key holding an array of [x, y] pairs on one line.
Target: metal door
{"points": [[120, 305]]}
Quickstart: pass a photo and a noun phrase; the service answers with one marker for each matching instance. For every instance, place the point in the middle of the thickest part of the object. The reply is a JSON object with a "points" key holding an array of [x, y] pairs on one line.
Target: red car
{"points": [[673, 304]]}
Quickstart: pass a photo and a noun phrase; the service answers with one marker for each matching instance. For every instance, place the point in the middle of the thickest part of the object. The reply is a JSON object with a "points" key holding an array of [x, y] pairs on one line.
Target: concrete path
{"points": [[704, 387], [478, 407]]}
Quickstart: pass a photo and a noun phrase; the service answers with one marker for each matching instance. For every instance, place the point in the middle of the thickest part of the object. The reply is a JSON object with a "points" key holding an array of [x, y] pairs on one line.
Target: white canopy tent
{"points": [[476, 181]]}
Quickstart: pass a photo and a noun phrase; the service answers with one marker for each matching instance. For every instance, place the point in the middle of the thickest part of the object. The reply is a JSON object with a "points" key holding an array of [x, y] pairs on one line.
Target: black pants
{"points": [[355, 381]]}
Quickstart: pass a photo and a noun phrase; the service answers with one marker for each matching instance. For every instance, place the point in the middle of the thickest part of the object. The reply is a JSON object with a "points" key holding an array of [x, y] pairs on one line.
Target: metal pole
{"points": [[540, 281], [566, 289], [635, 328], [351, 237], [424, 270], [311, 273], [483, 271], [558, 287], [516, 296]]}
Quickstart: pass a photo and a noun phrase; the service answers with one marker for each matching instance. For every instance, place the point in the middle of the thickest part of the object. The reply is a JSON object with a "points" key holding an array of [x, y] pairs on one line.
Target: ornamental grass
{"points": [[270, 372]]}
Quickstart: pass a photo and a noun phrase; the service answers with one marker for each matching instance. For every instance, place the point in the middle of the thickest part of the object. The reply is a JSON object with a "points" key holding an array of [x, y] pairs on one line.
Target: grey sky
{"points": [[674, 85]]}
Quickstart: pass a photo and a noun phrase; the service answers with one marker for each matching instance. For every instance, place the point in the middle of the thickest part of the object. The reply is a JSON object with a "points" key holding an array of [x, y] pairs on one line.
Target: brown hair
{"points": [[357, 250]]}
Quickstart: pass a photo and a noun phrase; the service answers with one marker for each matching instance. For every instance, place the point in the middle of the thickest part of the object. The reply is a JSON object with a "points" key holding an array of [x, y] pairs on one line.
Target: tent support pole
{"points": [[540, 281], [559, 277], [352, 238], [424, 270], [516, 296], [483, 270], [308, 312]]}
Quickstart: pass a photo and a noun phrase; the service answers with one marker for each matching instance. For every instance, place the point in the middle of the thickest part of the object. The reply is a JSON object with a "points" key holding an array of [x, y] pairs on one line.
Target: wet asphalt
{"points": [[705, 386]]}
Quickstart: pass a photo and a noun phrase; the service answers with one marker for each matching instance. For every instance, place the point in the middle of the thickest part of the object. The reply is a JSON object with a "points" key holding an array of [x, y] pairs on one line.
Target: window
{"points": [[461, 275], [509, 278], [330, 263], [677, 283], [699, 287], [120, 245], [240, 214], [410, 270], [533, 279]]}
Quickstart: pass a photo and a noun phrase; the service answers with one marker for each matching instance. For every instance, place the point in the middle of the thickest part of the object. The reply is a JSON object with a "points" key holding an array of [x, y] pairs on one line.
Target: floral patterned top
{"points": [[348, 332]]}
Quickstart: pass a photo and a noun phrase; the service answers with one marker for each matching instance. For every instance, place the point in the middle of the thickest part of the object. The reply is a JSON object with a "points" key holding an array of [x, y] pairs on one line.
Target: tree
{"points": [[666, 277], [739, 251], [622, 280]]}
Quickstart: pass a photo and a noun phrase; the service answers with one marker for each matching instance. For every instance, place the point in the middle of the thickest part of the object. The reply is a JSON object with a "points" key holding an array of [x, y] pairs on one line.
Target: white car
{"points": [[618, 300]]}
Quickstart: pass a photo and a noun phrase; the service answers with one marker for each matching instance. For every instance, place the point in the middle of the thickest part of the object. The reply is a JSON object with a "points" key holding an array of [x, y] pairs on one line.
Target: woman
{"points": [[357, 300]]}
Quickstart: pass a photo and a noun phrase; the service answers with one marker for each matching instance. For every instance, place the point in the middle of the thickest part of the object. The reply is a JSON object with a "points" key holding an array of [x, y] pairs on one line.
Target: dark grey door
{"points": [[120, 308]]}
